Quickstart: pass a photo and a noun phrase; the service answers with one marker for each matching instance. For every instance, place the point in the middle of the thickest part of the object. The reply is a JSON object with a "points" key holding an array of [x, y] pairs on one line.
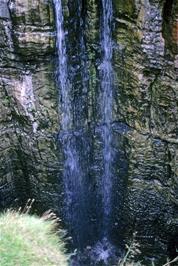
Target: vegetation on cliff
{"points": [[27, 240]]}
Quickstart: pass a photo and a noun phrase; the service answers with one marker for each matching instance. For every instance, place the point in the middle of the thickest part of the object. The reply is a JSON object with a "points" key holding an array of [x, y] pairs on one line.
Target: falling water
{"points": [[72, 136], [72, 174], [63, 77], [104, 251], [106, 76]]}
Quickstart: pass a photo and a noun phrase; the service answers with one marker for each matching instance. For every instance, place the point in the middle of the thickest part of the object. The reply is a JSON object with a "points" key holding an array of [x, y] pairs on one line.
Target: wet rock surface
{"points": [[145, 112], [28, 117]]}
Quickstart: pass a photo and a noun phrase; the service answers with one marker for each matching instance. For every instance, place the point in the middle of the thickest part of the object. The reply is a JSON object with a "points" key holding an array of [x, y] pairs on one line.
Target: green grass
{"points": [[29, 241]]}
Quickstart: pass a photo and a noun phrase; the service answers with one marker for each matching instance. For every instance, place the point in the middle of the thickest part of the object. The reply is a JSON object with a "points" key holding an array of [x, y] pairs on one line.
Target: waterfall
{"points": [[72, 173], [104, 250], [73, 142], [74, 137], [106, 77], [62, 72]]}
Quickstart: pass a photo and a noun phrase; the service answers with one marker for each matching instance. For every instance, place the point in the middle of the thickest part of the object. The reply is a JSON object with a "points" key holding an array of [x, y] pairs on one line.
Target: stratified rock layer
{"points": [[145, 124], [28, 117]]}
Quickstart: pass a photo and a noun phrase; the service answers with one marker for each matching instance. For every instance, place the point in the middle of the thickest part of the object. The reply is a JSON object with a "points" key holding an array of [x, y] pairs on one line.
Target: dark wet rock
{"points": [[145, 111], [28, 111]]}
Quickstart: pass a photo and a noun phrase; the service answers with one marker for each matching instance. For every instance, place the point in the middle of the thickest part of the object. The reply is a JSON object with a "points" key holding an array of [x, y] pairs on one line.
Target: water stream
{"points": [[74, 140], [73, 137], [106, 77]]}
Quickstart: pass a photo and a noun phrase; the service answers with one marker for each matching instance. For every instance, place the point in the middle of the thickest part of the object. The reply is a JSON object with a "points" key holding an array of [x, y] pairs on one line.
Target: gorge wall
{"points": [[144, 115]]}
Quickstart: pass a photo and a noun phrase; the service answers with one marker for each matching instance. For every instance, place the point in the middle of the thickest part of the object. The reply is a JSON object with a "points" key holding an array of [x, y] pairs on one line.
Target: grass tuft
{"points": [[27, 240]]}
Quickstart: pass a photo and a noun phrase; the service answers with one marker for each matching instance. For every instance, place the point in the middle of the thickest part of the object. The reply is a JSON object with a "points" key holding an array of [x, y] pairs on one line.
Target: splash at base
{"points": [[103, 253]]}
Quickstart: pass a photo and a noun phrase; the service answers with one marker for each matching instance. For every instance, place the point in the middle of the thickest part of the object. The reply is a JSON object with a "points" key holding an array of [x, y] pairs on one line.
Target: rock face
{"points": [[145, 111], [28, 117]]}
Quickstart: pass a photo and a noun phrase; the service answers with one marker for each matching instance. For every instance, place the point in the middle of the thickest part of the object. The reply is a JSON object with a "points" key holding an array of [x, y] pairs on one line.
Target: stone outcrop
{"points": [[28, 116], [145, 109], [147, 102]]}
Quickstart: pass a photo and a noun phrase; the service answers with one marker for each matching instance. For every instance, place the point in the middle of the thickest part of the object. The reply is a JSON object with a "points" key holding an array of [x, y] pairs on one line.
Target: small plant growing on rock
{"points": [[132, 251]]}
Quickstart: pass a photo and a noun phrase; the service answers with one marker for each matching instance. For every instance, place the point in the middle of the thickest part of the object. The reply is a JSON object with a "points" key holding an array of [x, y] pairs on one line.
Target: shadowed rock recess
{"points": [[101, 147]]}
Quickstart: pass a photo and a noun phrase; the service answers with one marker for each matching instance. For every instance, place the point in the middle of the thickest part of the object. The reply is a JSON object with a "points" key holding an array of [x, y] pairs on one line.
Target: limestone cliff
{"points": [[28, 117], [145, 124]]}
